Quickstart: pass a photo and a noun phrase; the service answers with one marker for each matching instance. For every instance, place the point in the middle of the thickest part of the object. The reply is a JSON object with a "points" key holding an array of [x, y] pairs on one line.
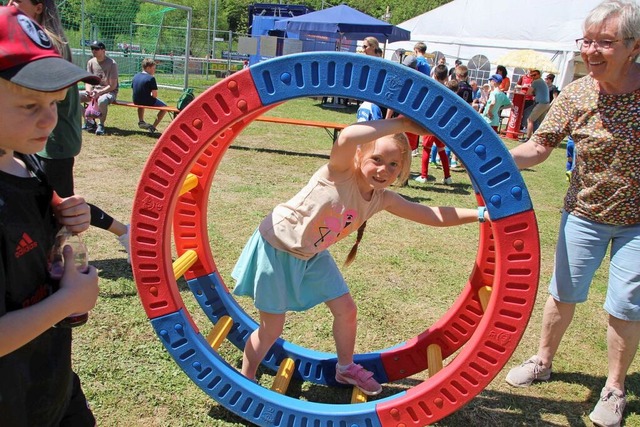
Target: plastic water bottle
{"points": [[56, 268]]}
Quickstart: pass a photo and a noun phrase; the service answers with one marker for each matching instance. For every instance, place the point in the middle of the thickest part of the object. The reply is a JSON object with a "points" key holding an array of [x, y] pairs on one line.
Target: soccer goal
{"points": [[131, 31]]}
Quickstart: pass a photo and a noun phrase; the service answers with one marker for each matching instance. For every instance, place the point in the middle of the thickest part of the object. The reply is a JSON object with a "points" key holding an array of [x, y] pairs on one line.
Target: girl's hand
{"points": [[80, 288], [73, 212], [413, 127]]}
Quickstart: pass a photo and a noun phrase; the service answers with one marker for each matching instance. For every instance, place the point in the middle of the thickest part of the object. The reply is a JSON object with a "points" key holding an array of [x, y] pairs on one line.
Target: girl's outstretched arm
{"points": [[443, 216], [344, 149]]}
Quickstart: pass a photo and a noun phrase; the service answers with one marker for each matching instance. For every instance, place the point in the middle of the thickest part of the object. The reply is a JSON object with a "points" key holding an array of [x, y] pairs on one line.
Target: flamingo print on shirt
{"points": [[333, 226]]}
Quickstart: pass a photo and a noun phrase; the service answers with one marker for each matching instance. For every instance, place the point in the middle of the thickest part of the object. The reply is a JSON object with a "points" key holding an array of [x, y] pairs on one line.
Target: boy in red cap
{"points": [[38, 387]]}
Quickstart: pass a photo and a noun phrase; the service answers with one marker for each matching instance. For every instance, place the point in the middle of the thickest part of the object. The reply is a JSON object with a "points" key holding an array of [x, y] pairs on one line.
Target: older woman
{"points": [[601, 111]]}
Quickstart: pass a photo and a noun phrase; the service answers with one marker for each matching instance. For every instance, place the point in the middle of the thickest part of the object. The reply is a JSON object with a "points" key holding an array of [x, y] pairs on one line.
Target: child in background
{"points": [[37, 386], [368, 111], [145, 92], [430, 142], [571, 156], [480, 102], [496, 102], [286, 265]]}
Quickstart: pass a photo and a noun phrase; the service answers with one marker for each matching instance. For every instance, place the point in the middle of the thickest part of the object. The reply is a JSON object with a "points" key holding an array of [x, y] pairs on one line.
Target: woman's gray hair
{"points": [[628, 12]]}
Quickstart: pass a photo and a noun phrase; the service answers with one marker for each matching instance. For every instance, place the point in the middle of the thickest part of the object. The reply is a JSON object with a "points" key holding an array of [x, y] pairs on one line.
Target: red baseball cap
{"points": [[28, 57]]}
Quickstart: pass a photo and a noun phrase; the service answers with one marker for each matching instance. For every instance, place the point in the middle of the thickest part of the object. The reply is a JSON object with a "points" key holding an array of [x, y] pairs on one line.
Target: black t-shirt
{"points": [[142, 85], [465, 92], [36, 379]]}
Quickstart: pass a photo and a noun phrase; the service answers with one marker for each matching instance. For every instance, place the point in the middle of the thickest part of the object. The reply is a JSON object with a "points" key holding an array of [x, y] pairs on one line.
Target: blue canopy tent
{"points": [[339, 24]]}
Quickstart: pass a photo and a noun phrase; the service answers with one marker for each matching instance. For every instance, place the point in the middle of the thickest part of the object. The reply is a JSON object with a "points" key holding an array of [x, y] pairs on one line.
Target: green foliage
{"points": [[400, 10], [139, 26], [236, 10], [403, 10], [112, 18], [70, 13], [238, 15]]}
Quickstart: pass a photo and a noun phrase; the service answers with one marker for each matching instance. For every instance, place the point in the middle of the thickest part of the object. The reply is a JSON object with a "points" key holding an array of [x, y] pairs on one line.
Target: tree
{"points": [[237, 13], [70, 12]]}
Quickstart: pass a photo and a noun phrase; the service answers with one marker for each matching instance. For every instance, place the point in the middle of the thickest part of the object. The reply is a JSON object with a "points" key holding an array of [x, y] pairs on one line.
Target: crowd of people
{"points": [[488, 100], [285, 265]]}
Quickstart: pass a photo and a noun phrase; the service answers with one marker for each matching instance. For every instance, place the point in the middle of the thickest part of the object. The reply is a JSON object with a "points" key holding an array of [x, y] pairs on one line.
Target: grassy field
{"points": [[406, 276]]}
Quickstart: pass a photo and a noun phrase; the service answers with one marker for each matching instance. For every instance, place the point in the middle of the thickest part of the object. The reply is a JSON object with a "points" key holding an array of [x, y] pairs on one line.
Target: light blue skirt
{"points": [[279, 282]]}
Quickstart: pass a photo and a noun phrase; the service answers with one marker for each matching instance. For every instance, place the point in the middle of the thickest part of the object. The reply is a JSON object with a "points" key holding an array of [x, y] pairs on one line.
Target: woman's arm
{"points": [[530, 154]]}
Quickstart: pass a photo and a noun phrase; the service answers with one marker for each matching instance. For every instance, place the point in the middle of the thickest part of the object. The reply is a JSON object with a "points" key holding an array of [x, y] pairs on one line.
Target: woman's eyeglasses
{"points": [[599, 45]]}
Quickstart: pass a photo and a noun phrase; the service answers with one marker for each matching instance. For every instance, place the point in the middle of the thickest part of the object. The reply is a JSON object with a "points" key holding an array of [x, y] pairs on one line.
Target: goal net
{"points": [[131, 31]]}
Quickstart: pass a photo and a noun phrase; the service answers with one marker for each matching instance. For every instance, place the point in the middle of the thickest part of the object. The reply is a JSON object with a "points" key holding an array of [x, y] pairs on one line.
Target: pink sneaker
{"points": [[358, 376]]}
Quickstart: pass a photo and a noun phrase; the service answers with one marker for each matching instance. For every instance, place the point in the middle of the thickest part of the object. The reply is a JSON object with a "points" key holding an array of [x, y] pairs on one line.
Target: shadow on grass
{"points": [[118, 271], [114, 131], [338, 108], [433, 185], [275, 151], [497, 408], [489, 408]]}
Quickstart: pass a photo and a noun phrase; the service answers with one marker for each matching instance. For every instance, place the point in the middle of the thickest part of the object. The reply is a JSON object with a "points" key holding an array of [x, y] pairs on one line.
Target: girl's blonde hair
{"points": [[401, 141]]}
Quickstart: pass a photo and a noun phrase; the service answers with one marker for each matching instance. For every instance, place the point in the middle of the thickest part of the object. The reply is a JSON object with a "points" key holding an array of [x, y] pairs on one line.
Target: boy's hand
{"points": [[73, 212], [81, 288]]}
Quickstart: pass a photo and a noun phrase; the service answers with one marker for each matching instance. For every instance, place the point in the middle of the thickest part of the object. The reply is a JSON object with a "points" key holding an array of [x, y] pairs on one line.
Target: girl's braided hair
{"points": [[402, 143]]}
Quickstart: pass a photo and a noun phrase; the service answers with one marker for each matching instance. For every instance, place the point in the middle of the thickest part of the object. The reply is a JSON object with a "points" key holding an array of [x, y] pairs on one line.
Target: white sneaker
{"points": [[143, 125], [420, 179], [447, 181], [608, 412], [531, 370], [124, 241]]}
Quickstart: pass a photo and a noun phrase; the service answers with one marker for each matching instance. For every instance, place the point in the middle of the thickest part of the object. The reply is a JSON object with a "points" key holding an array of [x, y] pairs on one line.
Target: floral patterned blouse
{"points": [[605, 185]]}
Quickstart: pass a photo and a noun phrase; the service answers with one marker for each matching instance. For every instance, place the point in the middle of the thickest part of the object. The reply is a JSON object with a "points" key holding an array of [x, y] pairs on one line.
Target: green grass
{"points": [[405, 278]]}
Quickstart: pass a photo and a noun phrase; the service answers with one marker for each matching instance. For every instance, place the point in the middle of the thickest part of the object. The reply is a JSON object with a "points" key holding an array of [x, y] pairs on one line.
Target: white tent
{"points": [[466, 28]]}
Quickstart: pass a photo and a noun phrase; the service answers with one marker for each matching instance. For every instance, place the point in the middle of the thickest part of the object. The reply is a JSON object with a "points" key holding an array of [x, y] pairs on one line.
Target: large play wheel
{"points": [[484, 324]]}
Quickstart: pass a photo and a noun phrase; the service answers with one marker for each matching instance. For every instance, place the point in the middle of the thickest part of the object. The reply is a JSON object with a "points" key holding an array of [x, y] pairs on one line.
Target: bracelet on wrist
{"points": [[481, 212]]}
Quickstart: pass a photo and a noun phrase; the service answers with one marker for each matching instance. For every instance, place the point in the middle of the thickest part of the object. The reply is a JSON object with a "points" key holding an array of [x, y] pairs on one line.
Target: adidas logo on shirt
{"points": [[25, 245]]}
